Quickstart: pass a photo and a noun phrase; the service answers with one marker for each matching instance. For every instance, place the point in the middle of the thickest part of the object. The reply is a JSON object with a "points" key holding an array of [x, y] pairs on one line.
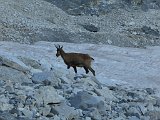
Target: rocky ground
{"points": [[35, 85], [30, 89], [132, 23]]}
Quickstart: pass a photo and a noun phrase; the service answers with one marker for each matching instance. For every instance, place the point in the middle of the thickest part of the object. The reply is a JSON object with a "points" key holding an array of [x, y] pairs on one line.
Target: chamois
{"points": [[75, 60]]}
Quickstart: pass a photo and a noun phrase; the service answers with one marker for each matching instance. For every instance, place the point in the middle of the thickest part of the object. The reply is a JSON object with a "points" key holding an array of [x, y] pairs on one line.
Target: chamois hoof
{"points": [[79, 76], [87, 72]]}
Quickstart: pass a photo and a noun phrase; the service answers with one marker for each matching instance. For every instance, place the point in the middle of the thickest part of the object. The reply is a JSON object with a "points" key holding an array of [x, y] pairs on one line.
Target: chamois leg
{"points": [[68, 66], [92, 71], [75, 69], [87, 71]]}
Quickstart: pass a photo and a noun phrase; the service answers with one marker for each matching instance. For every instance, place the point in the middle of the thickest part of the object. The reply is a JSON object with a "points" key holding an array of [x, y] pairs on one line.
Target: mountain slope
{"points": [[31, 21]]}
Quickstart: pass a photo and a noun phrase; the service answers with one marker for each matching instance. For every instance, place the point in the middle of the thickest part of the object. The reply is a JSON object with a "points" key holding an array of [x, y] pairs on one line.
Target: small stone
{"points": [[14, 111], [154, 115], [5, 106], [142, 109], [145, 118], [45, 110], [133, 118], [26, 112], [131, 23], [10, 89], [119, 118], [88, 118], [149, 30], [150, 91], [2, 83], [43, 118], [157, 102], [132, 111], [91, 28], [94, 114], [150, 107]]}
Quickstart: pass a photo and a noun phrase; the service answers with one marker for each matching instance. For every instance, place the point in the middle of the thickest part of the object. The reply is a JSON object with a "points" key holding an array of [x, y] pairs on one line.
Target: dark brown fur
{"points": [[75, 60]]}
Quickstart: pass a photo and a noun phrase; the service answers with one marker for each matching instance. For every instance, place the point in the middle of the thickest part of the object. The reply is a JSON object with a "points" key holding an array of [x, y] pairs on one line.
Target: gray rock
{"points": [[64, 110], [56, 117], [154, 115], [45, 118], [2, 83], [45, 110], [5, 106], [14, 63], [8, 73], [30, 62], [4, 103], [88, 118], [84, 100], [39, 78], [29, 100], [132, 94], [133, 111], [106, 93], [145, 118], [27, 112], [150, 91], [47, 94], [150, 107], [14, 101], [142, 108], [6, 116], [148, 30], [14, 111], [2, 90], [149, 4], [77, 7], [119, 118], [133, 118], [91, 28], [46, 78], [9, 88], [157, 102], [94, 114]]}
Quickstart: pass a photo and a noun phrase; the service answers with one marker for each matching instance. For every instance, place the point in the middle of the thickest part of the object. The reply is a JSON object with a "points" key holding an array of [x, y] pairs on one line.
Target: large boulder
{"points": [[10, 74], [46, 78], [47, 95], [83, 100], [63, 110]]}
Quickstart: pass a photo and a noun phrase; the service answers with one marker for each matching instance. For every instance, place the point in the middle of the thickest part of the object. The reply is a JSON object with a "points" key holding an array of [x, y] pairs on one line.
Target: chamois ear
{"points": [[56, 46]]}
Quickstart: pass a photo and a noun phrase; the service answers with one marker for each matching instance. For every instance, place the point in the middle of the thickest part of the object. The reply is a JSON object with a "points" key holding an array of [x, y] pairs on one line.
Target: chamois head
{"points": [[59, 49]]}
